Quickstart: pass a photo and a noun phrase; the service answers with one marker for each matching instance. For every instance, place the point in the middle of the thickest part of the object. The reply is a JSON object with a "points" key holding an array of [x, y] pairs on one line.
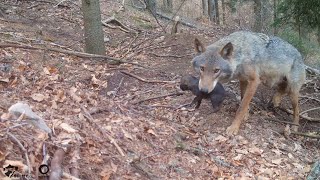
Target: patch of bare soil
{"points": [[97, 112]]}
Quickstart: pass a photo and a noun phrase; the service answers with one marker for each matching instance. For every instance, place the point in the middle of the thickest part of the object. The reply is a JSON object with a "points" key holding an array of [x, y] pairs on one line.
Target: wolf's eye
{"points": [[201, 68], [216, 71]]}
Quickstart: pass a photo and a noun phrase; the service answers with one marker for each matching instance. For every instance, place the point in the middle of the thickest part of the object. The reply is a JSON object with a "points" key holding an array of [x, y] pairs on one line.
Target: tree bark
{"points": [[223, 12], [152, 6], [216, 5], [258, 19], [205, 7], [318, 34], [211, 9], [94, 38], [275, 4]]}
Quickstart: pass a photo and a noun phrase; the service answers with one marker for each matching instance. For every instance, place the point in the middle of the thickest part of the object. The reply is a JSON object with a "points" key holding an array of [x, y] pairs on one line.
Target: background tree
{"points": [[258, 15], [94, 38], [300, 14]]}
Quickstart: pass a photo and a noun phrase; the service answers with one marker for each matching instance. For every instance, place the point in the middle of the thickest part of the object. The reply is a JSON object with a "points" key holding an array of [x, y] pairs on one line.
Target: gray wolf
{"points": [[216, 96], [253, 59]]}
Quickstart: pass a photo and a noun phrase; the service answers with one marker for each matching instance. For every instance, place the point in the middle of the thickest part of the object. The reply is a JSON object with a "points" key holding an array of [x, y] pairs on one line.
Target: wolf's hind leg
{"points": [[282, 87], [294, 95]]}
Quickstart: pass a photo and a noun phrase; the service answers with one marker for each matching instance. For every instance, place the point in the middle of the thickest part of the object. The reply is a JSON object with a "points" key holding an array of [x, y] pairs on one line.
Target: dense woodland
{"points": [[91, 90]]}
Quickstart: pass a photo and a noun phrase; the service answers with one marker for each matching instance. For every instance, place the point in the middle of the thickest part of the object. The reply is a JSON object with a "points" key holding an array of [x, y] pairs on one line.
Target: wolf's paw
{"points": [[232, 130]]}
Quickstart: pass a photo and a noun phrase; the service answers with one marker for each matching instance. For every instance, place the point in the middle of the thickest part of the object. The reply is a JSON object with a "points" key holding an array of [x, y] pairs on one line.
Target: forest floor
{"points": [[88, 101]]}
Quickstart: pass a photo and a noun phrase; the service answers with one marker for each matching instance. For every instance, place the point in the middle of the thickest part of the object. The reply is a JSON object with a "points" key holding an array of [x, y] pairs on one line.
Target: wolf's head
{"points": [[213, 64]]}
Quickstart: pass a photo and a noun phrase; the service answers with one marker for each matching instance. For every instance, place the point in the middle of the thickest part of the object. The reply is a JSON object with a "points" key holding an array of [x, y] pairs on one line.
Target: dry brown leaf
{"points": [[38, 97], [114, 167], [255, 150], [6, 116], [221, 138], [242, 151], [22, 168], [73, 95], [54, 104], [68, 128], [238, 157], [277, 161], [105, 174], [127, 135], [150, 131], [46, 71], [60, 97]]}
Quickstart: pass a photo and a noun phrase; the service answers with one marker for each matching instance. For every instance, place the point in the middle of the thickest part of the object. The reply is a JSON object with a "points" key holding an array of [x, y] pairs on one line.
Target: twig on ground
{"points": [[111, 139], [312, 70], [56, 164], [113, 20], [284, 122], [312, 109], [117, 89], [312, 98], [145, 80], [306, 135], [160, 96], [13, 138], [301, 115], [75, 53], [169, 55]]}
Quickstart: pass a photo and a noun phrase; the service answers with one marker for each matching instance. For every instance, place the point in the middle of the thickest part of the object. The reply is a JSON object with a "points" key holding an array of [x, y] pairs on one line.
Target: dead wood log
{"points": [[181, 21], [174, 28], [74, 53], [56, 165], [119, 25]]}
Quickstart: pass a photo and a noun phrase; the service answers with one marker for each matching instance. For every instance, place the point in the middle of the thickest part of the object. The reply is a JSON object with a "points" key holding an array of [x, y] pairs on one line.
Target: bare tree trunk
{"points": [[94, 38], [223, 12], [211, 9], [205, 7], [318, 34], [216, 4], [258, 19], [152, 6], [275, 4]]}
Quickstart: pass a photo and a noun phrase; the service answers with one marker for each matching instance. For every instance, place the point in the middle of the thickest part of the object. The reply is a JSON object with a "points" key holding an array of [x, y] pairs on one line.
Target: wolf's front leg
{"points": [[242, 111]]}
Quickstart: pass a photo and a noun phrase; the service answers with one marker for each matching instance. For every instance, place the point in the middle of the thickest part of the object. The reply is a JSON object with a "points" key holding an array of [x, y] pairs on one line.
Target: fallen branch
{"points": [[284, 122], [312, 98], [56, 165], [91, 120], [145, 80], [172, 19], [312, 70], [113, 20], [312, 109], [74, 53], [301, 115], [174, 56], [306, 135], [13, 138], [161, 96]]}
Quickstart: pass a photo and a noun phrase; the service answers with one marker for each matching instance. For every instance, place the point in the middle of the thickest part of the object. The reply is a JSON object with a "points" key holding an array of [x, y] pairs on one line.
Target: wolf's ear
{"points": [[226, 51], [199, 46]]}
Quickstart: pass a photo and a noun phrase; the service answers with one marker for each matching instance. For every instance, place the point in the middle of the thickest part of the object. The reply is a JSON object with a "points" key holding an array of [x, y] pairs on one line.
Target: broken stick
{"points": [[145, 80], [56, 164], [161, 96]]}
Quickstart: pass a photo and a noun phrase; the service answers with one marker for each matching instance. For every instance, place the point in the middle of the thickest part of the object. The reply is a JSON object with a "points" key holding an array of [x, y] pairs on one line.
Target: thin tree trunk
{"points": [[223, 12], [318, 34], [94, 38], [211, 9], [205, 7], [216, 4], [275, 4], [258, 19], [152, 6]]}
